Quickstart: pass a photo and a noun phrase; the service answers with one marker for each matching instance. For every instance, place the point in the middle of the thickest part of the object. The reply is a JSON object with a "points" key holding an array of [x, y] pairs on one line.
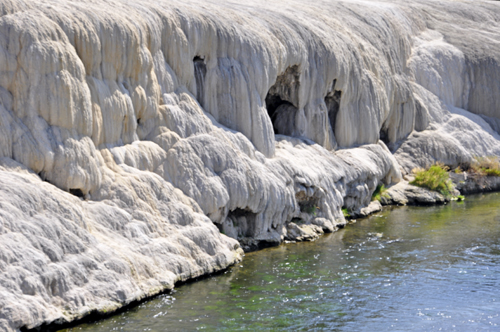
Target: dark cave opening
{"points": [[384, 136], [282, 100], [332, 105], [273, 103], [309, 206], [200, 71], [77, 192], [245, 221], [332, 102]]}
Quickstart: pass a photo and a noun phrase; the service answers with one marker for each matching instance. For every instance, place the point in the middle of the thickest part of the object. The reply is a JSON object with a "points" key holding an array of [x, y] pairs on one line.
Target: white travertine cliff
{"points": [[139, 140]]}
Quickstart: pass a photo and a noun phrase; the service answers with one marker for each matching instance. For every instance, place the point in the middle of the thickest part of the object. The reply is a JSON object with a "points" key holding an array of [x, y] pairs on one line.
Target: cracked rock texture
{"points": [[142, 141]]}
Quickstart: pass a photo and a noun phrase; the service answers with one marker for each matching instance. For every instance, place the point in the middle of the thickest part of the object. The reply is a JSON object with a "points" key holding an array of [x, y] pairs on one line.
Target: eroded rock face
{"points": [[467, 183], [134, 135], [62, 257], [404, 193]]}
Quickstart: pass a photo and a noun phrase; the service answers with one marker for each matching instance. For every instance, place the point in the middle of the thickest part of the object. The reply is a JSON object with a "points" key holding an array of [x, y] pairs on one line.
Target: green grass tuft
{"points": [[379, 192], [346, 213], [492, 172], [435, 178]]}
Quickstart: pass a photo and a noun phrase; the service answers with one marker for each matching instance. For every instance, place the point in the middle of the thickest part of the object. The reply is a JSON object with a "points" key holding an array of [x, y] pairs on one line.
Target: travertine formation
{"points": [[139, 139]]}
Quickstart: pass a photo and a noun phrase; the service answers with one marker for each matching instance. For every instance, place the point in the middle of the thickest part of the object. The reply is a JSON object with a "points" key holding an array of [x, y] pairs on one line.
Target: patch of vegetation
{"points": [[435, 178], [458, 170], [492, 172], [346, 213], [379, 192], [309, 208], [486, 166], [459, 198]]}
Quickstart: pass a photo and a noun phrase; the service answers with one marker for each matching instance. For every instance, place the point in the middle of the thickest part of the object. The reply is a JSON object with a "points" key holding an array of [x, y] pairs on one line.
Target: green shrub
{"points": [[379, 192], [346, 213], [435, 178]]}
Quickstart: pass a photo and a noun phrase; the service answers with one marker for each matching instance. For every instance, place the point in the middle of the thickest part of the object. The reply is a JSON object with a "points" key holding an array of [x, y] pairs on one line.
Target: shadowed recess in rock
{"points": [[155, 111], [200, 71], [282, 100], [332, 102]]}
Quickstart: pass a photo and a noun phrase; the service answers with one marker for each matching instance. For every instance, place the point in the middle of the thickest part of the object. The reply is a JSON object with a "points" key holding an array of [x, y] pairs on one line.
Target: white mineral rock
{"points": [[134, 133]]}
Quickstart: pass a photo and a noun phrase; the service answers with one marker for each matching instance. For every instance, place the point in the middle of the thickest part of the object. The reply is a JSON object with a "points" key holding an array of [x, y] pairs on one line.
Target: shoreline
{"points": [[97, 315], [488, 184], [399, 194], [147, 142]]}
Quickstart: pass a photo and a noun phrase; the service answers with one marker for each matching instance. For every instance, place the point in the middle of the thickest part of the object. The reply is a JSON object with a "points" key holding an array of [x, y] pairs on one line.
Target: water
{"points": [[409, 269]]}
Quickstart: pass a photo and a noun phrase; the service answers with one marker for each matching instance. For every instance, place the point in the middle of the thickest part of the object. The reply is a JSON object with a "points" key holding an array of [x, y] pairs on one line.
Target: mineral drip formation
{"points": [[146, 142]]}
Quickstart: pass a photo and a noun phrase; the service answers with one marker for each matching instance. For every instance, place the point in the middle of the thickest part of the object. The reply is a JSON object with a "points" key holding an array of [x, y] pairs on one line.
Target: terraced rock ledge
{"points": [[143, 143]]}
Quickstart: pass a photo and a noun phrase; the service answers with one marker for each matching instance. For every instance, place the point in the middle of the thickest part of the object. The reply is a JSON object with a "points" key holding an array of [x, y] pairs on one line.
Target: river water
{"points": [[403, 269]]}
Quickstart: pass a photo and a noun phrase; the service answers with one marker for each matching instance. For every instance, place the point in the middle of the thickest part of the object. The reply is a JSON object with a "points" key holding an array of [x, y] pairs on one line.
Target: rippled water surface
{"points": [[409, 268]]}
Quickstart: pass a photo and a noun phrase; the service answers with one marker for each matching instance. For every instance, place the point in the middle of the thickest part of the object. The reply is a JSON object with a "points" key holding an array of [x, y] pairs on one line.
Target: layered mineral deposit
{"points": [[146, 142]]}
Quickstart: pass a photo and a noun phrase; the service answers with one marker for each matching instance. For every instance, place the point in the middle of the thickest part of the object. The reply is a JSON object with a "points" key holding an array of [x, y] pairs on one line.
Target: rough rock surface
{"points": [[404, 193], [467, 183], [129, 128], [373, 207], [62, 257]]}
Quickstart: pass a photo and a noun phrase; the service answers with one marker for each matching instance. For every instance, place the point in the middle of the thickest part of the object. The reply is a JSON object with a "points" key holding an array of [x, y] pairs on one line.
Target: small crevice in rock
{"points": [[250, 244], [384, 137], [77, 192], [332, 101], [200, 71]]}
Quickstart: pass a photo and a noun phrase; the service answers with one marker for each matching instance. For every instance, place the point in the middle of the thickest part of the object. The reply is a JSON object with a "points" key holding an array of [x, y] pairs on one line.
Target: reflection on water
{"points": [[412, 268]]}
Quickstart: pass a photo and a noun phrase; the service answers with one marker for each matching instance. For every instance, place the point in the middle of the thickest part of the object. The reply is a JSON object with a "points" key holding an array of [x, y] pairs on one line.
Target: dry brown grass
{"points": [[485, 166]]}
